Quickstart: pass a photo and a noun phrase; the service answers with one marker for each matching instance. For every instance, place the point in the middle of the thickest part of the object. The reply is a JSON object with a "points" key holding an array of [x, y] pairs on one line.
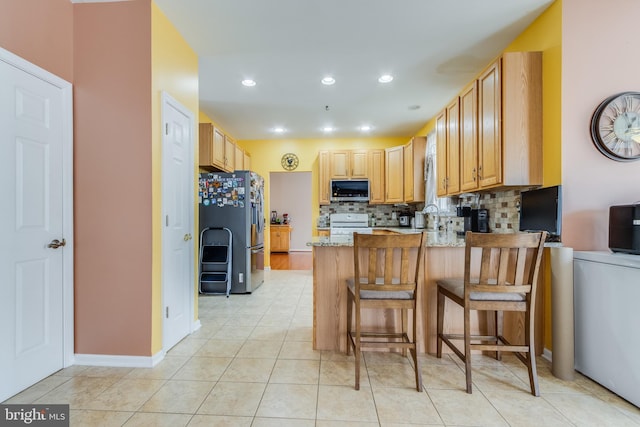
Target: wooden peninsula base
{"points": [[333, 264]]}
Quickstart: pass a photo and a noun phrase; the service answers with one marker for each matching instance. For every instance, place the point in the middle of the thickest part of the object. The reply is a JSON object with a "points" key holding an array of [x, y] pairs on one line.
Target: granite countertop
{"points": [[434, 240]]}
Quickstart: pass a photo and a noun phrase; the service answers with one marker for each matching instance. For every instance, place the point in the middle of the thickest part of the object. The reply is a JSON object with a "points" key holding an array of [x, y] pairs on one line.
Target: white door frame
{"points": [[66, 90], [166, 101]]}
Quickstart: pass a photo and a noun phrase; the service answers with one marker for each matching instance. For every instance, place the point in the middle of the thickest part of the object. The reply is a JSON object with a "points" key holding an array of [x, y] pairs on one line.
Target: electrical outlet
{"points": [[241, 277], [393, 215]]}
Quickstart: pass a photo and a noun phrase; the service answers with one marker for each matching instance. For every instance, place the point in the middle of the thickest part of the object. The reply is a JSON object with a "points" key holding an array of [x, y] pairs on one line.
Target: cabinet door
{"points": [[218, 148], [205, 145], [359, 160], [453, 147], [393, 175], [238, 159], [324, 182], [441, 154], [489, 119], [376, 176], [407, 171], [340, 164], [229, 153], [469, 138], [274, 239], [247, 161]]}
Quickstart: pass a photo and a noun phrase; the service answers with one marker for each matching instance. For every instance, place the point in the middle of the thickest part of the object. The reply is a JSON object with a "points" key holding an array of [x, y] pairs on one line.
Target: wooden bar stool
{"points": [[503, 277], [389, 282]]}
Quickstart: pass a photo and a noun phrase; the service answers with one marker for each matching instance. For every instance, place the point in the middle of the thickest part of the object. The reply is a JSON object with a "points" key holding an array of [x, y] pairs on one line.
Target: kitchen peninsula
{"points": [[443, 257]]}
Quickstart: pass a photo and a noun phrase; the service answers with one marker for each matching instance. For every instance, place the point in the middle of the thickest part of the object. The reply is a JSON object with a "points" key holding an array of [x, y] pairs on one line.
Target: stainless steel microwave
{"points": [[349, 190]]}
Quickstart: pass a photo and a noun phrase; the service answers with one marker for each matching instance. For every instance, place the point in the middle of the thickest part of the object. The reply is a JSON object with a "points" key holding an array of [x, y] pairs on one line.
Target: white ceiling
{"points": [[432, 48]]}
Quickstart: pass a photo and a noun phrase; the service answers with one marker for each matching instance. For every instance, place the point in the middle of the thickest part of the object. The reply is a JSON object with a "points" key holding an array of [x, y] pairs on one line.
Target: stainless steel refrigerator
{"points": [[236, 201]]}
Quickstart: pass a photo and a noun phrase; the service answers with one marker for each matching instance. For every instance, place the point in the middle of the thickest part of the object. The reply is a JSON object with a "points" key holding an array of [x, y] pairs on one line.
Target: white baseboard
{"points": [[267, 267], [118, 361], [196, 325], [547, 354]]}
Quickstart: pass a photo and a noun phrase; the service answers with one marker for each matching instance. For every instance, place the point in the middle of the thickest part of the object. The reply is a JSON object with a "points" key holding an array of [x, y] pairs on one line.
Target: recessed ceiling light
{"points": [[328, 80], [327, 129], [278, 130], [365, 128], [248, 82], [385, 78]]}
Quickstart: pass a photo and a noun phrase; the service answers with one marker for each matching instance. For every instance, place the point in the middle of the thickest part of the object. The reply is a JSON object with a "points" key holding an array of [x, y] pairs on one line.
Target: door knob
{"points": [[55, 244]]}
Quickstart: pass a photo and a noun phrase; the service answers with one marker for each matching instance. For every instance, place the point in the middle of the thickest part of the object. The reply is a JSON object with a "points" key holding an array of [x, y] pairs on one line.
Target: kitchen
{"points": [[568, 157]]}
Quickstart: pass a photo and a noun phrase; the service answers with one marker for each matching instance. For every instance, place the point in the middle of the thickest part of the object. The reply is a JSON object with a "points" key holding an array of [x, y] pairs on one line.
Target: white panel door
{"points": [[31, 217], [178, 188]]}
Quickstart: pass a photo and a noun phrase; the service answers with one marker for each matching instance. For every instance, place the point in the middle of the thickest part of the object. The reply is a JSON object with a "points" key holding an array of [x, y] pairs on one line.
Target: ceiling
{"points": [[431, 47]]}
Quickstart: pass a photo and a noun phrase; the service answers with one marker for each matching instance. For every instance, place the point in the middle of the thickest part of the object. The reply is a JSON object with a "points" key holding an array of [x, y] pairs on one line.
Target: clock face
{"points": [[615, 127], [289, 161]]}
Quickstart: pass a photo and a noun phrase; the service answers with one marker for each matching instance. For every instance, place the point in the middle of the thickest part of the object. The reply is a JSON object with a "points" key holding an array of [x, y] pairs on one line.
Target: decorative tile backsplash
{"points": [[503, 207]]}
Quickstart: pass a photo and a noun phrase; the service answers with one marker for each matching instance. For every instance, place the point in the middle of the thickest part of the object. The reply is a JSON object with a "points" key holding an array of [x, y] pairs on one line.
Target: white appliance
{"points": [[348, 223], [606, 289]]}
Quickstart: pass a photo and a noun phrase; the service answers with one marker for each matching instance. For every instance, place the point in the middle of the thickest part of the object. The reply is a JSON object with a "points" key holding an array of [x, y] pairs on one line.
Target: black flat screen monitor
{"points": [[541, 210]]}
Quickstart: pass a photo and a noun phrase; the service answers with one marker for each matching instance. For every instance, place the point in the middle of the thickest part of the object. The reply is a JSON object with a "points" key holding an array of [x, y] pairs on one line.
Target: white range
{"points": [[348, 223]]}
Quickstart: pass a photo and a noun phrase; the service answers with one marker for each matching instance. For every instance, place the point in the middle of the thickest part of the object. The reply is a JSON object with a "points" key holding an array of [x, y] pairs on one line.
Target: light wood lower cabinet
{"points": [[280, 238]]}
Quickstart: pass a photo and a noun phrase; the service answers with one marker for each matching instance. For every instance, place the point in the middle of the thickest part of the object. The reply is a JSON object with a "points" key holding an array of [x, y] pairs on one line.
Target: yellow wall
{"points": [[266, 156], [175, 71]]}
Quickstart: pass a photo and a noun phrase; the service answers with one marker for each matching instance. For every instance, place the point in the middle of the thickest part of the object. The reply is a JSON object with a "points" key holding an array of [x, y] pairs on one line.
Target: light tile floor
{"points": [[251, 364]]}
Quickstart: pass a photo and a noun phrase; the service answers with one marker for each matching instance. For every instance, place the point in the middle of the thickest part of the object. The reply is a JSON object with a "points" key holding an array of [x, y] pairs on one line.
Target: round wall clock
{"points": [[615, 127], [289, 161]]}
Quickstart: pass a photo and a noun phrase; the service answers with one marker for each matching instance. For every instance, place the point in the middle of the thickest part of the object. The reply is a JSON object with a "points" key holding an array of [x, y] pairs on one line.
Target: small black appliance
{"points": [[624, 228]]}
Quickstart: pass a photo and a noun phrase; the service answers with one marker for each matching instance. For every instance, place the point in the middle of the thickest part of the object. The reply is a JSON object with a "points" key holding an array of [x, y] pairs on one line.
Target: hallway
{"points": [[251, 364]]}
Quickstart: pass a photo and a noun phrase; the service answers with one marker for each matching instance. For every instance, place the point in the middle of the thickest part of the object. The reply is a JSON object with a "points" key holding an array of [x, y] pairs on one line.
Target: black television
{"points": [[541, 210]]}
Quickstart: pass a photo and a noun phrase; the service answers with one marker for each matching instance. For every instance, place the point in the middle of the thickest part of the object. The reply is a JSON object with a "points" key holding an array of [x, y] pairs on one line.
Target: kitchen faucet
{"points": [[436, 222]]}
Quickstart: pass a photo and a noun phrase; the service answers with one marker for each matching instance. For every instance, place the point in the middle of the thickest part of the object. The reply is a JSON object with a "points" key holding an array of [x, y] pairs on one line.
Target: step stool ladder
{"points": [[215, 261]]}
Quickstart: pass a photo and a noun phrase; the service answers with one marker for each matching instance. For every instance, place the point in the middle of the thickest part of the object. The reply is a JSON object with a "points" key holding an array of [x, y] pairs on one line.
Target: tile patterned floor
{"points": [[251, 364]]}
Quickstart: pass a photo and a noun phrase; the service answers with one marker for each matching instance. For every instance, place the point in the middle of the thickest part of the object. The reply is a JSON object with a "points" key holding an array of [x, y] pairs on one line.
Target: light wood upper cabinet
{"points": [[394, 178], [376, 176], [229, 153], [469, 138], [413, 170], [324, 182], [219, 151], [441, 151], [502, 112], [521, 124], [359, 160], [211, 147], [453, 147], [339, 164], [346, 164], [238, 159], [489, 118], [247, 161]]}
